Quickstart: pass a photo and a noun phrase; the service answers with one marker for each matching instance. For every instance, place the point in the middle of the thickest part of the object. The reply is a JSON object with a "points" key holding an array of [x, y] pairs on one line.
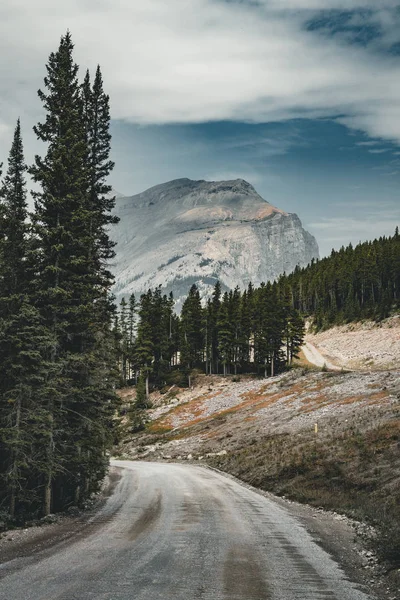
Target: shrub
{"points": [[177, 378]]}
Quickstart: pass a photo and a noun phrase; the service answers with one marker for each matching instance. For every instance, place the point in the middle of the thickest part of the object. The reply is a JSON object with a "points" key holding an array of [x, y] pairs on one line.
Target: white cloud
{"points": [[368, 143], [202, 60]]}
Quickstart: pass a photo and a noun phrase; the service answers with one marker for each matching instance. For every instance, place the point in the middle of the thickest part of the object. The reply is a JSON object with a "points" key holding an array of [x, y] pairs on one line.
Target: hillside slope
{"points": [[364, 345]]}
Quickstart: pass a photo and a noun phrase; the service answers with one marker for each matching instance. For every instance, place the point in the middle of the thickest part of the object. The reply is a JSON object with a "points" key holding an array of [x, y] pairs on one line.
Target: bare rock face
{"points": [[184, 232]]}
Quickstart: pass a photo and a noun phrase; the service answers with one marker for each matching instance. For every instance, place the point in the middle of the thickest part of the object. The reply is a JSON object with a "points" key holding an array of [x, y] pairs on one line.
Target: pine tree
{"points": [[124, 329], [268, 330], [62, 175], [394, 267], [23, 340], [212, 325], [70, 225], [294, 333], [99, 249], [192, 332], [160, 328], [131, 318], [13, 226], [141, 394], [245, 330], [225, 333], [235, 314], [24, 390], [144, 347], [173, 332], [13, 251], [96, 116], [131, 334], [208, 331]]}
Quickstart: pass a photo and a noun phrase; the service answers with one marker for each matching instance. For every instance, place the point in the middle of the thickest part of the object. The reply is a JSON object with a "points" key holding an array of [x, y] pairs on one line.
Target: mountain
{"points": [[184, 232]]}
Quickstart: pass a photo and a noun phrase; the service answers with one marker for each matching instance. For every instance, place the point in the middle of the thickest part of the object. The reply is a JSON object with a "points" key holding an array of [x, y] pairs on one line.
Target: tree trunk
{"points": [[50, 447], [78, 486], [15, 459], [47, 495]]}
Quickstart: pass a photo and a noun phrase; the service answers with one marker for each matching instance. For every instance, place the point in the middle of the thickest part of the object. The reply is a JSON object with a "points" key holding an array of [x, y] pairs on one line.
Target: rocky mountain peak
{"points": [[184, 231]]}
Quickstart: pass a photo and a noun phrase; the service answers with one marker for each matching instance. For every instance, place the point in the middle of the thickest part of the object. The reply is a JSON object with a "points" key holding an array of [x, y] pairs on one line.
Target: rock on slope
{"points": [[184, 232]]}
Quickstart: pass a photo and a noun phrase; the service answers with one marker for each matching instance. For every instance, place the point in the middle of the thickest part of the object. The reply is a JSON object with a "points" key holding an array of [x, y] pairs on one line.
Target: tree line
{"points": [[256, 331], [349, 285], [57, 352]]}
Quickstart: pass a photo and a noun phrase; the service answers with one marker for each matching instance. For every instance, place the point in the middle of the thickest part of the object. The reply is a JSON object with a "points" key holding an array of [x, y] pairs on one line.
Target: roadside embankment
{"points": [[366, 345]]}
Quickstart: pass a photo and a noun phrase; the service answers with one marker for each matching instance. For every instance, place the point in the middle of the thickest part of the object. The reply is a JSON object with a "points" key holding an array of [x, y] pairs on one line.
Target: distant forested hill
{"points": [[350, 284]]}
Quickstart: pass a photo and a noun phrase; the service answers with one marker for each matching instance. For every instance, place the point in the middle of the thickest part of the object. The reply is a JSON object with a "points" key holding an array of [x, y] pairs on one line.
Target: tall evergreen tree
{"points": [[13, 226], [212, 327], [131, 334], [235, 315], [192, 331], [70, 225], [62, 176], [144, 350], [13, 251], [246, 329], [268, 330], [23, 340], [225, 333], [96, 116], [124, 329]]}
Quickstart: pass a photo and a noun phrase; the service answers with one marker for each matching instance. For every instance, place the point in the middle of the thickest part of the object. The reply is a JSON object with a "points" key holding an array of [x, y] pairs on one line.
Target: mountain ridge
{"points": [[185, 231]]}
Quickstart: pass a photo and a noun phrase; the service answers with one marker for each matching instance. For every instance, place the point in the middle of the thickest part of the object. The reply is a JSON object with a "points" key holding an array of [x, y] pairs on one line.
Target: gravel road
{"points": [[181, 532], [314, 356]]}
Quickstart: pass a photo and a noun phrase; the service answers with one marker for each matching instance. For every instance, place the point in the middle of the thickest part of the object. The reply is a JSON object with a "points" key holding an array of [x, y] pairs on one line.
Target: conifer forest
{"points": [[351, 284], [58, 370], [65, 346], [254, 331], [259, 330]]}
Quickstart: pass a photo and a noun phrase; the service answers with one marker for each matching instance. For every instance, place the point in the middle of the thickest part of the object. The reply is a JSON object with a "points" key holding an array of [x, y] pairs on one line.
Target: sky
{"points": [[299, 97]]}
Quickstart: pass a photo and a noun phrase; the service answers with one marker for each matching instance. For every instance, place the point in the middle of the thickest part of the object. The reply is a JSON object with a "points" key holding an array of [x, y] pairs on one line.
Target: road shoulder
{"points": [[43, 538], [342, 538]]}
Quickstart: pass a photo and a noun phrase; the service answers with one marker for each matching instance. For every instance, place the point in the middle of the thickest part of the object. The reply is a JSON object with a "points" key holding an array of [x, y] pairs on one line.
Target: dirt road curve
{"points": [[181, 532], [314, 356]]}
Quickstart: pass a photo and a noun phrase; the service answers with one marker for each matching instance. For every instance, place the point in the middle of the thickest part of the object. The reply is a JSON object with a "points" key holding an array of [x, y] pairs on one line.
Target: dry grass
{"points": [[356, 472]]}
